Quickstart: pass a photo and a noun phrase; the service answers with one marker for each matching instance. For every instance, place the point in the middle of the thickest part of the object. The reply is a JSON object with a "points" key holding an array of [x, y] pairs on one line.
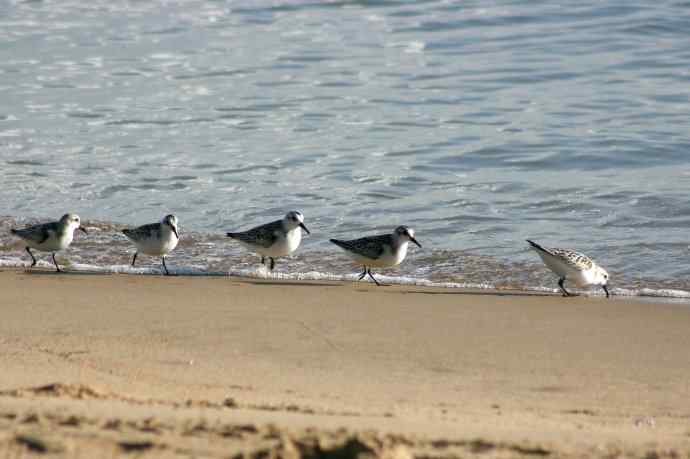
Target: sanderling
{"points": [[157, 239], [379, 251], [572, 266], [50, 237], [275, 239]]}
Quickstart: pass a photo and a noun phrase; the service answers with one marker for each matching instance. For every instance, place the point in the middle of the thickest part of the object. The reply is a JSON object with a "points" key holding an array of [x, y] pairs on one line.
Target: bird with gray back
{"points": [[50, 237], [275, 239], [382, 251], [156, 239], [572, 266]]}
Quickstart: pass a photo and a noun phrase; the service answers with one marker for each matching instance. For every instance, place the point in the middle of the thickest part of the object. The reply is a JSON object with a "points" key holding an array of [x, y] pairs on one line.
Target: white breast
{"points": [[563, 269], [586, 277], [158, 246], [54, 243], [284, 245], [388, 259]]}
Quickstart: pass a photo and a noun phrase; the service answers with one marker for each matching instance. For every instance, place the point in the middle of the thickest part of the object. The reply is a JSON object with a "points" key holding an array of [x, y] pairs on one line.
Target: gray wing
{"points": [[264, 235], [152, 230], [370, 247], [573, 259], [37, 233]]}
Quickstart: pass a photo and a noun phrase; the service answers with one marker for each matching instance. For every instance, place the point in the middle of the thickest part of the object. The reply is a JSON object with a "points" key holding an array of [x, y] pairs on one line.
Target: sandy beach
{"points": [[99, 365]]}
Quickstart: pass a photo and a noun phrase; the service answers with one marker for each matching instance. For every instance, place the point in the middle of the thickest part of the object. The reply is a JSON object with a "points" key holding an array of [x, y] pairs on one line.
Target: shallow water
{"points": [[478, 124]]}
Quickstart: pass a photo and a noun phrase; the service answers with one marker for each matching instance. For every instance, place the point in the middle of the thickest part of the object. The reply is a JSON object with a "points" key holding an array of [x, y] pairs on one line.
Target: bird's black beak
{"points": [[84, 230], [301, 225], [172, 227], [606, 290], [415, 241]]}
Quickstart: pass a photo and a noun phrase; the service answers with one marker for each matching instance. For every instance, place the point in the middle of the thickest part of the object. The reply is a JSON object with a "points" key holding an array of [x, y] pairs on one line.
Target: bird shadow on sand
{"points": [[40, 272], [479, 293], [287, 282], [400, 289]]}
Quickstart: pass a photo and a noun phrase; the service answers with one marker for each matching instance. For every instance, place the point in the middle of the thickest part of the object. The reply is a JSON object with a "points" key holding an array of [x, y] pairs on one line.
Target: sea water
{"points": [[479, 124]]}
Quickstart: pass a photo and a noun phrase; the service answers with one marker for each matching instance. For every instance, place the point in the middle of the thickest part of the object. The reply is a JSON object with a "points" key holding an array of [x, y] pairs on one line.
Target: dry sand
{"points": [[106, 365]]}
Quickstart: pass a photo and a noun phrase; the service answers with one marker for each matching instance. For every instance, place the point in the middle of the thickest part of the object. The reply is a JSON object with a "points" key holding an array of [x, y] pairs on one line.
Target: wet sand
{"points": [[99, 365]]}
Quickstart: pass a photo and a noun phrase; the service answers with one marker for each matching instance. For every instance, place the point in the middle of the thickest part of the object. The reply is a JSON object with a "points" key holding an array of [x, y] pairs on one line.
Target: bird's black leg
{"points": [[56, 265], [273, 263], [372, 277], [560, 284], [263, 260], [364, 273], [606, 290], [134, 260], [32, 257], [165, 267]]}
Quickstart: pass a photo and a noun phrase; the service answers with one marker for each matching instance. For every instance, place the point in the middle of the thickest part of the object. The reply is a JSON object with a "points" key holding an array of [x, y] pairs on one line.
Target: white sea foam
{"points": [[263, 273]]}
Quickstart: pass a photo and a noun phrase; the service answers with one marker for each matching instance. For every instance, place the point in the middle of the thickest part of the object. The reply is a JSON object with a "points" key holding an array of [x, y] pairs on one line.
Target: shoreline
{"points": [[567, 376], [669, 295]]}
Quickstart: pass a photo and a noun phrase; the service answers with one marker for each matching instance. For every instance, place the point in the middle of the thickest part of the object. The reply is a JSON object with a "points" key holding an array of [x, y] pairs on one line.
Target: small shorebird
{"points": [[275, 239], [157, 239], [572, 266], [379, 251], [50, 237]]}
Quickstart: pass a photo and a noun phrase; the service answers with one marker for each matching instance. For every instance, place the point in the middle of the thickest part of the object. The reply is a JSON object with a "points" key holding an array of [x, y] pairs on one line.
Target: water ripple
{"points": [[506, 120]]}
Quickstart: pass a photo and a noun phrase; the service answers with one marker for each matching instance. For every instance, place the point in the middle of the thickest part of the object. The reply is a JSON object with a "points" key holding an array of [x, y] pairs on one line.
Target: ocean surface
{"points": [[477, 123]]}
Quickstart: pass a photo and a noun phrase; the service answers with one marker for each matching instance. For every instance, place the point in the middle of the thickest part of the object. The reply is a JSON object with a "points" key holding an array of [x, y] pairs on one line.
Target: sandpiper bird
{"points": [[50, 237], [379, 251], [157, 239], [275, 239], [572, 266]]}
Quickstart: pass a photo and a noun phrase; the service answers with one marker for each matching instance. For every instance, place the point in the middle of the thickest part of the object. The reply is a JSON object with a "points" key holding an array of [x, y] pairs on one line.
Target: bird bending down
{"points": [[379, 251], [50, 237], [572, 266], [156, 239], [275, 239]]}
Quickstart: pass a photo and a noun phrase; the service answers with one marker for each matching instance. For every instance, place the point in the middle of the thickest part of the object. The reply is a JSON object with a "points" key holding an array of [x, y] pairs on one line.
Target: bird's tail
{"points": [[537, 246], [232, 235], [13, 231], [338, 243]]}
